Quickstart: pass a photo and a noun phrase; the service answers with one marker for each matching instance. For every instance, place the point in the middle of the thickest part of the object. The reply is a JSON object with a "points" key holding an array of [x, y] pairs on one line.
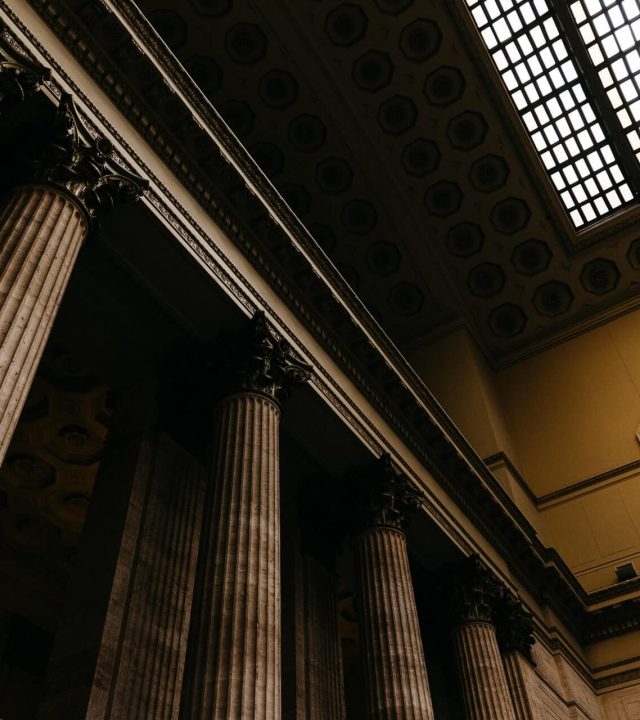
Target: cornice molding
{"points": [[286, 256], [616, 474]]}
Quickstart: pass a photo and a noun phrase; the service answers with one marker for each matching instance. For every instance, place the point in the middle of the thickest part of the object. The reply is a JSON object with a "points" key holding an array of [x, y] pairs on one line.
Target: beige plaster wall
{"points": [[573, 410], [562, 416], [459, 377], [596, 529], [622, 704]]}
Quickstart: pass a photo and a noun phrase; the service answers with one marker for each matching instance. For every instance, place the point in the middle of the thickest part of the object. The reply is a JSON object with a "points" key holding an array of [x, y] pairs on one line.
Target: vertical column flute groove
{"points": [[395, 674], [234, 661], [62, 180], [395, 670], [324, 688], [477, 598], [522, 683], [148, 675], [120, 650], [41, 232], [484, 684], [515, 632], [238, 668]]}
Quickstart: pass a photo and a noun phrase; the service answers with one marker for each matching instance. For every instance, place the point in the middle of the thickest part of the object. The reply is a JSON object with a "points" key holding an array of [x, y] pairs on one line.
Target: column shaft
{"points": [[41, 232], [395, 673], [120, 649], [235, 671], [324, 683], [521, 679], [484, 686]]}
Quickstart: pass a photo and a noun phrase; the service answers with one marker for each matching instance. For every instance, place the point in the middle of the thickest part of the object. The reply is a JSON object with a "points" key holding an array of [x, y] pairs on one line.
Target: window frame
{"points": [[574, 237]]}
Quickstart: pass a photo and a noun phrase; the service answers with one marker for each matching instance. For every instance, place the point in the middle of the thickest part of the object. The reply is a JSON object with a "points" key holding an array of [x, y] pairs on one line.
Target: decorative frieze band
{"points": [[20, 77]]}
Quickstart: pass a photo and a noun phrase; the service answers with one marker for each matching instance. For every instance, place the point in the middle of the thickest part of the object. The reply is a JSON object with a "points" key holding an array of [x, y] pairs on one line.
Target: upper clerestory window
{"points": [[573, 72]]}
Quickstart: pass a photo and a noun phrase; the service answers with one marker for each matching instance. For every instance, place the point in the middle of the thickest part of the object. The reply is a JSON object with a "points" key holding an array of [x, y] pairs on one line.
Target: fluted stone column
{"points": [[482, 677], [395, 676], [515, 638], [234, 671], [321, 521], [120, 647], [61, 182], [324, 683]]}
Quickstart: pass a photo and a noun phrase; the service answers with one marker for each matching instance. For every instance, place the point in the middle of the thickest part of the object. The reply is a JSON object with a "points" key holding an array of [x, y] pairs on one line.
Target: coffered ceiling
{"points": [[47, 478], [382, 126]]}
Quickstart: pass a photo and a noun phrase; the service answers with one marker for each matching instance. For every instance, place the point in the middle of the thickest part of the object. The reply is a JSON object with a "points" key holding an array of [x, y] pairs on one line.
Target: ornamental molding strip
{"points": [[20, 77], [316, 294]]}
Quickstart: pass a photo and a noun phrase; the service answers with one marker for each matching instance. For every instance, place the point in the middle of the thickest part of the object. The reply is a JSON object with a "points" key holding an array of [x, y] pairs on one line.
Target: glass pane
{"points": [[542, 77], [608, 33]]}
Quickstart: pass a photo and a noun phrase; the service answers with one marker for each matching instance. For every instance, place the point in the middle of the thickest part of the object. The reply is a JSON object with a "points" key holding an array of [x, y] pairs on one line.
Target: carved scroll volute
{"points": [[474, 592], [266, 364], [384, 497], [82, 164], [514, 626]]}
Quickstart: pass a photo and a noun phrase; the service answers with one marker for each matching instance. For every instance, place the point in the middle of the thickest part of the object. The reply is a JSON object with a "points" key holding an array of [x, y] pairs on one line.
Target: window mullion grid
{"points": [[618, 85], [591, 79], [543, 78]]}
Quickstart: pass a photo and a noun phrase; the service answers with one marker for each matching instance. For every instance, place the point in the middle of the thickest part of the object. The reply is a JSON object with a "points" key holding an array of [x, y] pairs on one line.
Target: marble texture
{"points": [[235, 655], [396, 685], [523, 686], [41, 232], [120, 649], [324, 684], [482, 677]]}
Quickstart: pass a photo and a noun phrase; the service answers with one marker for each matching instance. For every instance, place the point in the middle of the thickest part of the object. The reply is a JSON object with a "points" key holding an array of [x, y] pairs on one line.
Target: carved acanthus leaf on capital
{"points": [[474, 591], [385, 497], [19, 75], [514, 625], [266, 364], [82, 164]]}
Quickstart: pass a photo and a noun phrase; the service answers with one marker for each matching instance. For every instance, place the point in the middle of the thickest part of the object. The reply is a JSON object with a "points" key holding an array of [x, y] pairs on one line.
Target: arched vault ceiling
{"points": [[376, 123]]}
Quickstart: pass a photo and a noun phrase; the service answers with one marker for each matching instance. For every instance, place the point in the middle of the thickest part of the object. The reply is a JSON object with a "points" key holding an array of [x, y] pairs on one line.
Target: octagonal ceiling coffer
{"points": [[397, 115], [553, 298], [245, 43], [444, 86], [420, 39], [372, 71], [346, 24], [600, 276]]}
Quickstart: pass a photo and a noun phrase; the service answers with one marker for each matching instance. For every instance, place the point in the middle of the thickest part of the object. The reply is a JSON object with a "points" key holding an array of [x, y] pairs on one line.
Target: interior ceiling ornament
{"points": [[390, 148], [47, 478], [266, 364], [69, 156]]}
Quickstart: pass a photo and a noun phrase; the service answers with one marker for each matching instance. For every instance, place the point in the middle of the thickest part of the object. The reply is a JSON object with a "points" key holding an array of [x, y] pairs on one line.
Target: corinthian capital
{"points": [[19, 75], [266, 364], [474, 591], [514, 625], [81, 163], [385, 497]]}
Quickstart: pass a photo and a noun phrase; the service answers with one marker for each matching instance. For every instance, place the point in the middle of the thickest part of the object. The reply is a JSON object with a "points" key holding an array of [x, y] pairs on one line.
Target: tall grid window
{"points": [[538, 65], [610, 30]]}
